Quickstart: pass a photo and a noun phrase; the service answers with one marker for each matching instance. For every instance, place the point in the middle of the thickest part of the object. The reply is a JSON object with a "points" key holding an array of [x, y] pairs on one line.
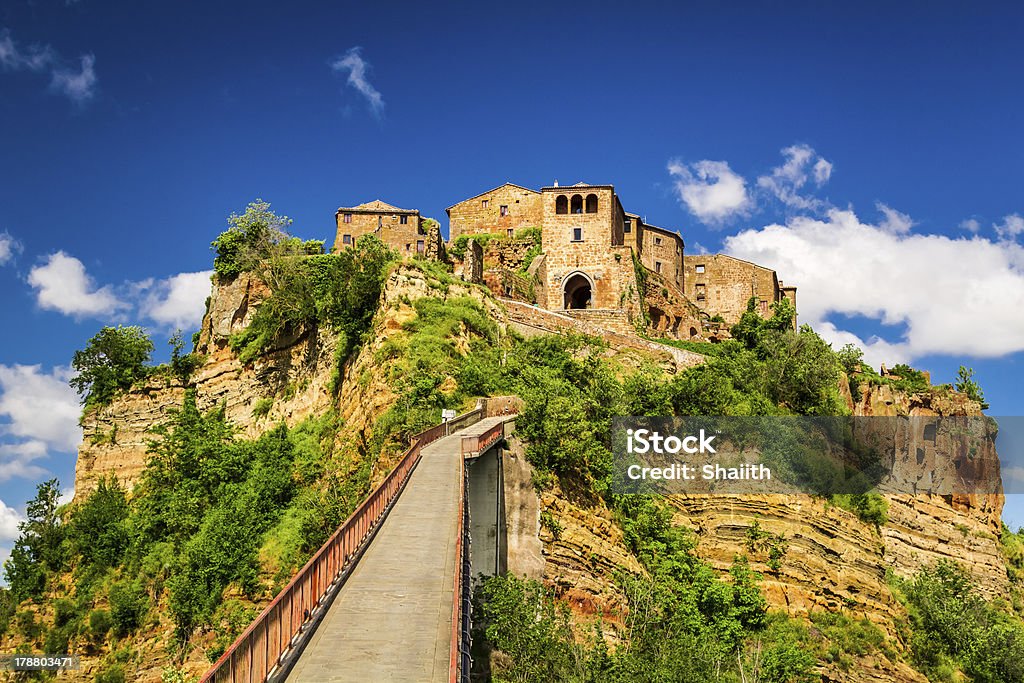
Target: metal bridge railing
{"points": [[263, 647]]}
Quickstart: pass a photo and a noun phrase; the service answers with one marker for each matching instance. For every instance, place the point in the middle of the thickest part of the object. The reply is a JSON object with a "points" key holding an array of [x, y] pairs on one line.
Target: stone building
{"points": [[502, 211], [722, 285], [587, 263], [597, 263], [662, 252], [401, 229]]}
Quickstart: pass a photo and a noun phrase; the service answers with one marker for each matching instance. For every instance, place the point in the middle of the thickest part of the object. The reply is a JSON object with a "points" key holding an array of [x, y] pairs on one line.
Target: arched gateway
{"points": [[577, 291]]}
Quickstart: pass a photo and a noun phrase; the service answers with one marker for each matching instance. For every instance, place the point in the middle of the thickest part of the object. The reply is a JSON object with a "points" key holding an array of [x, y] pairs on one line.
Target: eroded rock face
{"points": [[289, 383]]}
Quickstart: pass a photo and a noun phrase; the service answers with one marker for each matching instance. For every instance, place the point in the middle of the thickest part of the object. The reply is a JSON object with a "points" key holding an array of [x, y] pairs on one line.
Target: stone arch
{"points": [[577, 291], [591, 203], [576, 204], [562, 204]]}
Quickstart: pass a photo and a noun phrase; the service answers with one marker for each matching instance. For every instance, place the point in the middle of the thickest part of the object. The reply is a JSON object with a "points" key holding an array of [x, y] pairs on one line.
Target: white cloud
{"points": [[62, 284], [356, 67], [67, 494], [970, 225], [177, 302], [710, 190], [1011, 227], [77, 85], [894, 221], [80, 86], [955, 296], [40, 407], [786, 182], [9, 521], [8, 247]]}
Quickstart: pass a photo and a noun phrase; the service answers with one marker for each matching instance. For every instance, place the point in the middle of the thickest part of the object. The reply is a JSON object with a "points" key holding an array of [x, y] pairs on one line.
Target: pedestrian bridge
{"points": [[387, 597]]}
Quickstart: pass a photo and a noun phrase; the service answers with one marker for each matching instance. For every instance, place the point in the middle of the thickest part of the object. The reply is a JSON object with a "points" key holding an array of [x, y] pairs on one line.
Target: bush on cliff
{"points": [[112, 361]]}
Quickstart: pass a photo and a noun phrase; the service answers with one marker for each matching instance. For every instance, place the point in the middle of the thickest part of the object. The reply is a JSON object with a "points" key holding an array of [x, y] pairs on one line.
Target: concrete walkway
{"points": [[391, 620]]}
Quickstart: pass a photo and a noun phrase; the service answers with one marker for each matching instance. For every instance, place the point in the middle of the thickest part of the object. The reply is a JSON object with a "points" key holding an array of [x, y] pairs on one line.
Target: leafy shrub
{"points": [[262, 407], [100, 623], [111, 674], [129, 603], [870, 508], [953, 626], [910, 380]]}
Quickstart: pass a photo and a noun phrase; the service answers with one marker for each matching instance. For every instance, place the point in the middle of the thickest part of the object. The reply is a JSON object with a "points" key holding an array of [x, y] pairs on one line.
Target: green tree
{"points": [[97, 530], [113, 360], [250, 238], [38, 549], [966, 384]]}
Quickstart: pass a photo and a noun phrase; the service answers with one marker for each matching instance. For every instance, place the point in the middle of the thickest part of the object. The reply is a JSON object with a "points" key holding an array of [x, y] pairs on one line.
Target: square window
{"points": [[577, 234], [657, 241], [699, 269], [403, 220], [347, 218], [346, 239], [419, 246], [504, 209], [483, 203]]}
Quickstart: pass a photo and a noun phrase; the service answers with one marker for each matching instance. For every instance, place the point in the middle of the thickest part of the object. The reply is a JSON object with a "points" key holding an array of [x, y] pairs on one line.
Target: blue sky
{"points": [[871, 154]]}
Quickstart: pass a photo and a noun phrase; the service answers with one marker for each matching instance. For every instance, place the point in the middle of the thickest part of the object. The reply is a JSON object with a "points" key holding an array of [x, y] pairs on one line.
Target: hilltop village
{"points": [[575, 251]]}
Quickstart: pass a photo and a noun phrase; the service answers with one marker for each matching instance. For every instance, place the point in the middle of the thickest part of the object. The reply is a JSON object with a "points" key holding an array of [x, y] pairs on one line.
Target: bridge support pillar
{"points": [[488, 534]]}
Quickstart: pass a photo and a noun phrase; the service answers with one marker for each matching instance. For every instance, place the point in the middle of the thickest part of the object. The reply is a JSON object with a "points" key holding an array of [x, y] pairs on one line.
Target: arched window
{"points": [[591, 203], [562, 204], [577, 204]]}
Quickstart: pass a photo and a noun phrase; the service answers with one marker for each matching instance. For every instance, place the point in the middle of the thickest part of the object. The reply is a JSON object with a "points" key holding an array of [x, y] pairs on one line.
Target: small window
{"points": [[657, 266], [404, 220], [627, 226], [509, 232], [657, 241], [380, 221], [700, 268], [504, 209], [577, 234], [483, 203], [347, 218], [408, 246], [419, 246], [346, 239]]}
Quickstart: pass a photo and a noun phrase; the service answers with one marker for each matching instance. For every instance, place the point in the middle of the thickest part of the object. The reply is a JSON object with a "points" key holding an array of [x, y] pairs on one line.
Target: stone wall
{"points": [[532, 320], [484, 213], [727, 283], [473, 262]]}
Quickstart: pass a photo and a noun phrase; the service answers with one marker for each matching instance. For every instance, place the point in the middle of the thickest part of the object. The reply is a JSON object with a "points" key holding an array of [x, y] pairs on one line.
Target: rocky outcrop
{"points": [[289, 383]]}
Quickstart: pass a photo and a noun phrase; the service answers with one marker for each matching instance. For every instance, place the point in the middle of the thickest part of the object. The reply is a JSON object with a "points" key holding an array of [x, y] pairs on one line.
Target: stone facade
{"points": [[595, 256], [501, 211], [662, 252], [401, 229], [722, 285], [587, 264]]}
